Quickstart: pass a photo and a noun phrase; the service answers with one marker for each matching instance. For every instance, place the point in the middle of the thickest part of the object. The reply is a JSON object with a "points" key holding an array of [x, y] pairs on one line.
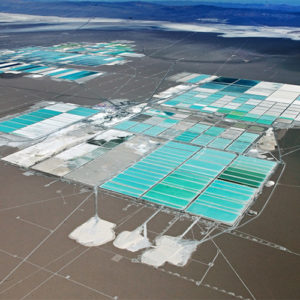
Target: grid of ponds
{"points": [[160, 124], [209, 179], [249, 171], [47, 61], [217, 137], [189, 77], [223, 201], [214, 184], [199, 168], [46, 120], [213, 180], [111, 49], [77, 156], [181, 187], [140, 177], [62, 58], [78, 54], [146, 127], [69, 74], [240, 99]]}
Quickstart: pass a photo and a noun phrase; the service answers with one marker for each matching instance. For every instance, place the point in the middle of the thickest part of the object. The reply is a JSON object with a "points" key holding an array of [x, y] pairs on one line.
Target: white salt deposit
{"points": [[116, 120], [132, 240], [28, 173], [142, 148], [174, 250], [137, 108], [269, 183], [256, 153], [268, 141], [225, 30], [111, 135], [35, 76], [135, 240], [52, 145], [94, 232], [100, 118], [172, 91], [8, 17], [13, 141], [129, 54], [76, 151]]}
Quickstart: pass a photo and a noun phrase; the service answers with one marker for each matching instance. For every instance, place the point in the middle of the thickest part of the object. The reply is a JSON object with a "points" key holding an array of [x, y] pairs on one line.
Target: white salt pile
{"points": [[135, 240], [94, 232], [132, 240], [174, 250]]}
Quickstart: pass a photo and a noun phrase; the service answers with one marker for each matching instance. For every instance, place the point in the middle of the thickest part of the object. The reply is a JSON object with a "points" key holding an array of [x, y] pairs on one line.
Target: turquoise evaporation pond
{"points": [[178, 176], [199, 134], [83, 111], [203, 140], [204, 135], [74, 76], [140, 177], [220, 143], [248, 171], [223, 201], [140, 127], [22, 68], [186, 136], [243, 142], [50, 56], [155, 130], [39, 115], [149, 129], [125, 125], [181, 187], [27, 119], [199, 128], [198, 78], [38, 68], [78, 75], [54, 73], [204, 97], [196, 136]]}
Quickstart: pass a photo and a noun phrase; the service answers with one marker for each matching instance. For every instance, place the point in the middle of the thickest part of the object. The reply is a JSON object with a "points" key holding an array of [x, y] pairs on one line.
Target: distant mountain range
{"points": [[273, 15]]}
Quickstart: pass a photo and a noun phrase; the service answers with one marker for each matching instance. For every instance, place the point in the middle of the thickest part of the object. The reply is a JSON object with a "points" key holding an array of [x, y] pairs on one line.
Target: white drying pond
{"points": [[112, 134]]}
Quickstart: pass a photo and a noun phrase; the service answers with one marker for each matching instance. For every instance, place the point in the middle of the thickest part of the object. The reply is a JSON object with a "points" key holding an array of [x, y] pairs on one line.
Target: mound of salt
{"points": [[132, 240], [174, 250], [94, 232]]}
